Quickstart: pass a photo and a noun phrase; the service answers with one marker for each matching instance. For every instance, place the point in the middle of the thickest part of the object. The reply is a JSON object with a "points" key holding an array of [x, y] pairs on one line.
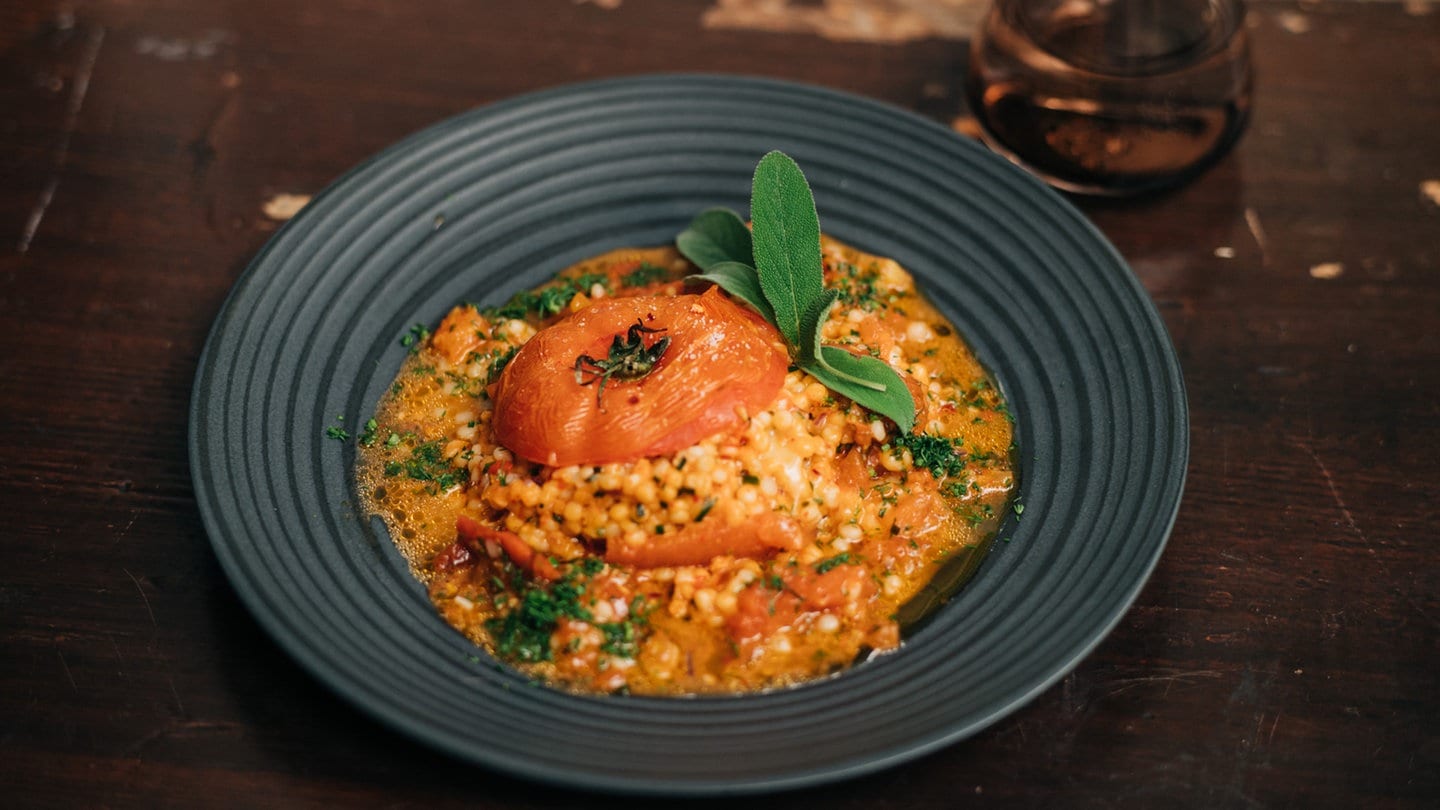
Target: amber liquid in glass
{"points": [[1091, 114]]}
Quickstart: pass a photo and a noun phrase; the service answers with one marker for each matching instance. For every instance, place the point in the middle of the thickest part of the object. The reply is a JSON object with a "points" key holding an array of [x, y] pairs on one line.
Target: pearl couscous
{"points": [[780, 547]]}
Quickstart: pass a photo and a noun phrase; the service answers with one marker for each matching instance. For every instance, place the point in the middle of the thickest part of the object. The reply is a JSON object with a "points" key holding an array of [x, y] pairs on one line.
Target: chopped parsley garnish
{"points": [[958, 488], [585, 281], [464, 384], [979, 515], [843, 558], [415, 336], [644, 275], [553, 299], [524, 633], [941, 456], [857, 287], [620, 638], [336, 432], [548, 300], [983, 395], [367, 436], [428, 464], [500, 361]]}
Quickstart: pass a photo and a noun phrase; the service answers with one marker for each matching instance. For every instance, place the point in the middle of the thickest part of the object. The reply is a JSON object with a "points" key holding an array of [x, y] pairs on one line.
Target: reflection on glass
{"points": [[1111, 96]]}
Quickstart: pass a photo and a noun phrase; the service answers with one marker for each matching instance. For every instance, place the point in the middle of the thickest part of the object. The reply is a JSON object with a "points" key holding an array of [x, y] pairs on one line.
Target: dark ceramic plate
{"points": [[501, 198]]}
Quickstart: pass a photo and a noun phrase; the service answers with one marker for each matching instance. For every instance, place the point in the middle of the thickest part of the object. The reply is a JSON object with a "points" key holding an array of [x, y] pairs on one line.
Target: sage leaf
{"points": [[811, 323], [716, 235], [786, 241], [893, 402], [741, 281], [777, 269], [874, 385], [810, 352]]}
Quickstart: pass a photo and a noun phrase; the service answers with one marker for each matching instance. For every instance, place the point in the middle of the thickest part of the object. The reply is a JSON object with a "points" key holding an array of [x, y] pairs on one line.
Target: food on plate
{"points": [[723, 466]]}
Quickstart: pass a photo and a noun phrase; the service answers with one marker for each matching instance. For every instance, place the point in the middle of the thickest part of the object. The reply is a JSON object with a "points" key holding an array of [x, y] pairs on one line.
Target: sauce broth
{"points": [[781, 549]]}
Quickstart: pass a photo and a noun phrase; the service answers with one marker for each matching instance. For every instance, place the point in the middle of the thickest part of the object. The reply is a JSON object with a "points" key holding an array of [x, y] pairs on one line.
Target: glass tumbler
{"points": [[1111, 97]]}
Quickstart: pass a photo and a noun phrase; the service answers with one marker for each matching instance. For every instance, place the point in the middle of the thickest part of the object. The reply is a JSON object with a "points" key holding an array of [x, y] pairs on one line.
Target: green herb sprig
{"points": [[524, 632], [830, 563], [629, 359], [942, 456], [777, 270]]}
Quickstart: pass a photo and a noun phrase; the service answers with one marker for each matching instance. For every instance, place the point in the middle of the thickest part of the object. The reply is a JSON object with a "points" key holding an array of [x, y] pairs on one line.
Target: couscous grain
{"points": [[772, 551]]}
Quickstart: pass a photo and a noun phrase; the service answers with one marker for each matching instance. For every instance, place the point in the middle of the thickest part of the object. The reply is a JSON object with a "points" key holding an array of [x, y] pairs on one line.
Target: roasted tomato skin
{"points": [[723, 361], [699, 543], [472, 535]]}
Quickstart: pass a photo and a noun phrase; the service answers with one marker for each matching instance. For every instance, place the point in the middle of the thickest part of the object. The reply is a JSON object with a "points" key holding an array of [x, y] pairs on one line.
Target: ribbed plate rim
{"points": [[230, 551]]}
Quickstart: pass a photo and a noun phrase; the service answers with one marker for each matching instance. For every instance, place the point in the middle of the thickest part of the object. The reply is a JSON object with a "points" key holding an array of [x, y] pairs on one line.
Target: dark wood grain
{"points": [[1284, 653]]}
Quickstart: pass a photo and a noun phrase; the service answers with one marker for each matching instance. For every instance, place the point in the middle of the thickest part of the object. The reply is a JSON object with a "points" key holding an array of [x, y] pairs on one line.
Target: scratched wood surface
{"points": [[1284, 653]]}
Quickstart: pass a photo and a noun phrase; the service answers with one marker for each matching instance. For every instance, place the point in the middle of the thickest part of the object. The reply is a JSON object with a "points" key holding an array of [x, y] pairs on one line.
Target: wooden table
{"points": [[1284, 653]]}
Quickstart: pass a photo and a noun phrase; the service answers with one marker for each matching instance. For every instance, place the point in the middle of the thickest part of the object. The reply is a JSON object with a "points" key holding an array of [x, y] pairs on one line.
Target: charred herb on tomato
{"points": [[629, 359]]}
